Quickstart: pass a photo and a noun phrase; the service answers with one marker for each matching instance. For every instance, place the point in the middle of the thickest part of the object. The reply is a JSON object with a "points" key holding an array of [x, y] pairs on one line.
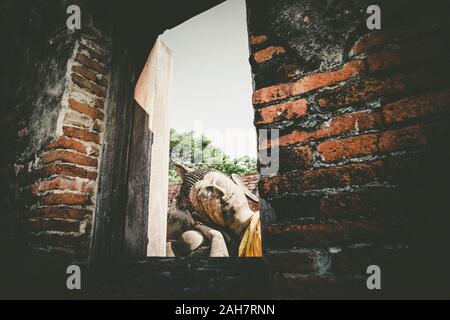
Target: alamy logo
{"points": [[74, 280], [74, 20], [374, 21], [374, 280], [269, 158]]}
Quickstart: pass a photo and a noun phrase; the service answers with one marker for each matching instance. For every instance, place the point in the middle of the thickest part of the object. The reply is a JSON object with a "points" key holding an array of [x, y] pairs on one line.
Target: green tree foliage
{"points": [[198, 152]]}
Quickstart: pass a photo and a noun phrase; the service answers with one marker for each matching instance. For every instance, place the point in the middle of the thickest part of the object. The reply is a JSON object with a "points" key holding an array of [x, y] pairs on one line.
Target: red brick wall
{"points": [[64, 173], [251, 182], [363, 158]]}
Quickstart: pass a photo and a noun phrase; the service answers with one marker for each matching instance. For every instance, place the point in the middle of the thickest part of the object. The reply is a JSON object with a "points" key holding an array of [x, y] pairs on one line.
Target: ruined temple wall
{"points": [[53, 107], [65, 170], [363, 121]]}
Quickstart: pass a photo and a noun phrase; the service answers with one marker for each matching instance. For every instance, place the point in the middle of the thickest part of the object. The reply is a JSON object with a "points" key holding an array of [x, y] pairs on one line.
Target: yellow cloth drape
{"points": [[251, 244]]}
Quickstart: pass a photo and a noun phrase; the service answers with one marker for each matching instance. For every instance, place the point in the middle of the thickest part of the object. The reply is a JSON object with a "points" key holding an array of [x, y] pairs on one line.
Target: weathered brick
{"points": [[417, 106], [374, 202], [294, 158], [410, 138], [270, 186], [408, 56], [67, 143], [65, 198], [63, 184], [66, 169], [60, 240], [332, 177], [88, 85], [268, 53], [353, 122], [361, 91], [67, 156], [338, 233], [281, 112], [93, 54], [83, 96], [91, 64], [85, 109], [78, 120], [308, 83], [401, 35], [60, 225], [259, 39], [91, 75], [418, 80], [341, 176], [61, 212], [370, 41], [72, 132], [351, 147], [384, 60]]}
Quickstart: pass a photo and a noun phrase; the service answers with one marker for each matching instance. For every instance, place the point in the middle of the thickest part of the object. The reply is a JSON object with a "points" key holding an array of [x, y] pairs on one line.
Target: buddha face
{"points": [[218, 199]]}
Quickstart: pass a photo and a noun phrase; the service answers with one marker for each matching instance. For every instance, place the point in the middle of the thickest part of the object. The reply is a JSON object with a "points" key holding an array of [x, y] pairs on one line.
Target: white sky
{"points": [[212, 85]]}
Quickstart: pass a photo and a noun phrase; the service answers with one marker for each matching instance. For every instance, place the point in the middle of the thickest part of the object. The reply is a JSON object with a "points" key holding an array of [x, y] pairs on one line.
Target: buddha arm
{"points": [[217, 242]]}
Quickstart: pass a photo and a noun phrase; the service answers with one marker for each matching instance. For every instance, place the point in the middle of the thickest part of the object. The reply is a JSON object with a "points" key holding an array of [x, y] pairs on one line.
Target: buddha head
{"points": [[216, 198]]}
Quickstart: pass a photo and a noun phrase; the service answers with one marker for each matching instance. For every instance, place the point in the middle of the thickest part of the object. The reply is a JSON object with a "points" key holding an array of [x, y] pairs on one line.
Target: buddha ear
{"points": [[181, 169], [224, 194]]}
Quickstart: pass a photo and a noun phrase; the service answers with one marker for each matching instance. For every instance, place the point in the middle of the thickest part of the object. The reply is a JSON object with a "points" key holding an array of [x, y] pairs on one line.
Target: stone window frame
{"points": [[121, 212]]}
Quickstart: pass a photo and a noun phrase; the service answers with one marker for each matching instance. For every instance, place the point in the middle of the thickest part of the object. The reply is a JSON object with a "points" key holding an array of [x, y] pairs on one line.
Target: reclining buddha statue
{"points": [[212, 216]]}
